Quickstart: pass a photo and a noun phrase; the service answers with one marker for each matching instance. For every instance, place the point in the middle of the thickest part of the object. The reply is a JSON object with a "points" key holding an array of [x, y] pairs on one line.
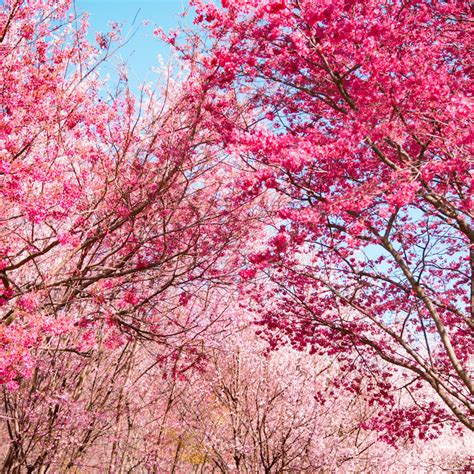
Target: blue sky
{"points": [[141, 51]]}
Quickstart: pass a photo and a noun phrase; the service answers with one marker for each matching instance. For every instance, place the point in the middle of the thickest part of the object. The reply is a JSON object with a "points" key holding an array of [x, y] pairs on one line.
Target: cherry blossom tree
{"points": [[355, 119], [254, 411], [113, 208], [257, 413]]}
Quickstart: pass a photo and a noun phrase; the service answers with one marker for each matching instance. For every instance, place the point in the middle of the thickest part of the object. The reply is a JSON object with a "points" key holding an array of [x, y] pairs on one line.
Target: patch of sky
{"points": [[142, 51]]}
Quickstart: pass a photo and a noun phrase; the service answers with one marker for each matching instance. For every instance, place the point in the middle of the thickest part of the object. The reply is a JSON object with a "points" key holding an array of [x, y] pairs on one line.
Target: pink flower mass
{"points": [[261, 263]]}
